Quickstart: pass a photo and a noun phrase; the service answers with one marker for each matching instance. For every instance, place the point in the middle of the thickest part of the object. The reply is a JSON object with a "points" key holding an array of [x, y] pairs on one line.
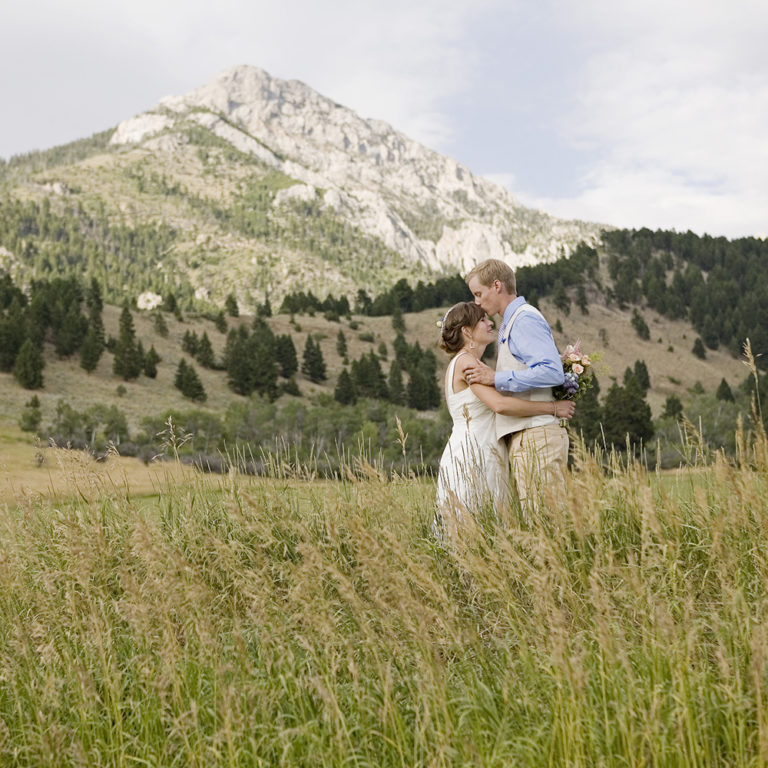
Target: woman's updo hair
{"points": [[465, 314]]}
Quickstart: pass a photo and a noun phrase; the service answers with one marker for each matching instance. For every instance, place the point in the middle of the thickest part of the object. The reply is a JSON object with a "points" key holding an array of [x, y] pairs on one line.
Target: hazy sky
{"points": [[632, 113]]}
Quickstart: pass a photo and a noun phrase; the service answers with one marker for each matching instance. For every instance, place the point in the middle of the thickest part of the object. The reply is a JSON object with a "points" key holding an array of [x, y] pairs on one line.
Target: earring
{"points": [[472, 344]]}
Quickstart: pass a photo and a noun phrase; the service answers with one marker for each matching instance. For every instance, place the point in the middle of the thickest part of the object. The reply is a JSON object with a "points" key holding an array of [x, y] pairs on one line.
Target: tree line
{"points": [[720, 286], [85, 244], [254, 360]]}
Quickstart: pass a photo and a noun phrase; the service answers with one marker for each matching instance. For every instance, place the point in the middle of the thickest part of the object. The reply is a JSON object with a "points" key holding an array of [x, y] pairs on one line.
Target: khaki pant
{"points": [[538, 458]]}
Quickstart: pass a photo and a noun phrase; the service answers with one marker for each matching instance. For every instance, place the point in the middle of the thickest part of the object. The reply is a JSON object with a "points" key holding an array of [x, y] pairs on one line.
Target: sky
{"points": [[639, 113]]}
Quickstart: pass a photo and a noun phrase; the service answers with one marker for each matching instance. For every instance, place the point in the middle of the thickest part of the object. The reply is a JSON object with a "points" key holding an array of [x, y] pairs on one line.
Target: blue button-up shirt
{"points": [[531, 342]]}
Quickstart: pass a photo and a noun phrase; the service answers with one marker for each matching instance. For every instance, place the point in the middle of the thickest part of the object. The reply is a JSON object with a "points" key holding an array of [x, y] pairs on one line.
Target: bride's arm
{"points": [[516, 406]]}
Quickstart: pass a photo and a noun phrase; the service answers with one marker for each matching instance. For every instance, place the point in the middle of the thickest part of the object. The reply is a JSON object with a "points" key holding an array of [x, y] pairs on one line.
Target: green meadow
{"points": [[288, 620]]}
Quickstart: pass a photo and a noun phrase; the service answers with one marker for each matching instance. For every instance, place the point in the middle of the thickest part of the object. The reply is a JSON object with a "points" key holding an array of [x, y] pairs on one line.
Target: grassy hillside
{"points": [[207, 216], [672, 366]]}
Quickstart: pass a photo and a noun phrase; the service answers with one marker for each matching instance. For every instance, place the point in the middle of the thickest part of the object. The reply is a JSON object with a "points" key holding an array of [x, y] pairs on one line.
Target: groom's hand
{"points": [[479, 373]]}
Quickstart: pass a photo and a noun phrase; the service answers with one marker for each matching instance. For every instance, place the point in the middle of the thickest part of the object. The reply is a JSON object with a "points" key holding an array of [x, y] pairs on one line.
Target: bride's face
{"points": [[483, 331]]}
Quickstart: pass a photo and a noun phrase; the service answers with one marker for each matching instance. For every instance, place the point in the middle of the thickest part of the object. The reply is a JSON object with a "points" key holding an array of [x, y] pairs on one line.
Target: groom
{"points": [[528, 365]]}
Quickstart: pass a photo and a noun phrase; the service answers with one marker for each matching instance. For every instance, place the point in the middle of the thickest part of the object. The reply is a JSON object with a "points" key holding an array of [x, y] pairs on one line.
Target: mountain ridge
{"points": [[267, 116], [266, 185]]}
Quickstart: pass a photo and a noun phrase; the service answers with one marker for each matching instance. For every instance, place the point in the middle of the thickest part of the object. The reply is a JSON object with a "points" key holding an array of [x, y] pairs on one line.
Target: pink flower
{"points": [[574, 358], [579, 369], [572, 349]]}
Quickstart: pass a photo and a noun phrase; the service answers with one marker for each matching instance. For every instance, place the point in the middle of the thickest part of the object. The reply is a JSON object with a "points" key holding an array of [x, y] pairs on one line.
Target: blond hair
{"points": [[494, 269]]}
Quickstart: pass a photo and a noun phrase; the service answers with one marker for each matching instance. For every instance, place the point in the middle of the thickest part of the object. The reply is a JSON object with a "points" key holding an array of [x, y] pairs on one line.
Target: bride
{"points": [[474, 466]]}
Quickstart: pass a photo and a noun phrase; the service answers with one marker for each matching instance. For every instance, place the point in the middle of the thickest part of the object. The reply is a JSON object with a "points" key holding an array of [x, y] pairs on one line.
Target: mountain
{"points": [[257, 186]]}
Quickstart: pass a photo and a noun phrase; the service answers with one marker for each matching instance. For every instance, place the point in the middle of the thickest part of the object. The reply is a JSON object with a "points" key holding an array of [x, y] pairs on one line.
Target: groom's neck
{"points": [[507, 300]]}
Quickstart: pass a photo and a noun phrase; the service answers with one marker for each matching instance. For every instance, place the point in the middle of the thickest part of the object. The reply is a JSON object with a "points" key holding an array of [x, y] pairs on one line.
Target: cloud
{"points": [[635, 113], [399, 61], [672, 106]]}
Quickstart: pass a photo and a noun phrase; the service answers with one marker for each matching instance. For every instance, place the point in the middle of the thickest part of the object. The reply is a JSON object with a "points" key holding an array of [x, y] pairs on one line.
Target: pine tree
{"points": [[28, 368], [589, 415], [560, 297], [285, 354], [91, 350], [32, 415], [9, 292], [341, 344], [398, 321], [204, 354], [140, 354], [230, 306], [395, 384], [94, 328], [673, 408], [629, 378], [724, 392], [362, 302], [236, 361], [221, 323], [698, 348], [161, 327], [640, 326], [313, 364], [69, 333], [424, 365], [171, 305], [93, 299], [641, 375], [127, 362], [151, 359], [265, 309], [418, 390], [581, 299], [263, 366], [190, 343], [188, 382], [368, 377], [414, 356], [625, 412], [345, 389], [38, 317], [12, 335], [402, 349]]}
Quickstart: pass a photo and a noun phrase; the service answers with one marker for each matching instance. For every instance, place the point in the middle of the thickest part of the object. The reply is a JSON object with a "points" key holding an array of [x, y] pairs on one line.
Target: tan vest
{"points": [[506, 361]]}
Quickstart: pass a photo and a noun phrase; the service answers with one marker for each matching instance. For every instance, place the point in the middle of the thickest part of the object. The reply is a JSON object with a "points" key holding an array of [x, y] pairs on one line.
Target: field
{"points": [[291, 621]]}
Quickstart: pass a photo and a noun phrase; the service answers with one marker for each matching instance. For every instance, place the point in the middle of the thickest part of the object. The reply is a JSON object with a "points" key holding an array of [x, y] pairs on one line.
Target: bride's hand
{"points": [[564, 409]]}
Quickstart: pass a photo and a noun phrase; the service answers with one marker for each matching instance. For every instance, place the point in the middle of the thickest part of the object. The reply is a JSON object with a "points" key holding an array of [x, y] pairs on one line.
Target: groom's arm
{"points": [[532, 344]]}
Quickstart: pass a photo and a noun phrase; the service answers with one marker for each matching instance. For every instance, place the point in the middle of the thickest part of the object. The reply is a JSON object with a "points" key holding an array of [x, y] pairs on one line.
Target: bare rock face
{"points": [[426, 206]]}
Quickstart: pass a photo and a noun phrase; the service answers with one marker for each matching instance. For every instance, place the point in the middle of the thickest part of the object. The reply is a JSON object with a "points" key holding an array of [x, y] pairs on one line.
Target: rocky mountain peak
{"points": [[424, 205]]}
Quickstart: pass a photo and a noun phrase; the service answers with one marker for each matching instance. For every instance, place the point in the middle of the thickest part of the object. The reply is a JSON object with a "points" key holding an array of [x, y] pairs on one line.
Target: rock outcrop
{"points": [[428, 207]]}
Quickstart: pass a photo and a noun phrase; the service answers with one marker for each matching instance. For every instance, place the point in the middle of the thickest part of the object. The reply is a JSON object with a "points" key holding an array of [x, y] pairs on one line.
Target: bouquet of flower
{"points": [[578, 373]]}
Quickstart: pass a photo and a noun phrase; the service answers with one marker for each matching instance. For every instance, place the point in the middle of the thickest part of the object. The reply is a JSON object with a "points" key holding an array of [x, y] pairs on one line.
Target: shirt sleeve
{"points": [[532, 344]]}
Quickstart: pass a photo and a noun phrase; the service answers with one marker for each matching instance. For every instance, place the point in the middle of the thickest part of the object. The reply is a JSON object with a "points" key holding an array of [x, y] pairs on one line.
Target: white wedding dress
{"points": [[473, 468]]}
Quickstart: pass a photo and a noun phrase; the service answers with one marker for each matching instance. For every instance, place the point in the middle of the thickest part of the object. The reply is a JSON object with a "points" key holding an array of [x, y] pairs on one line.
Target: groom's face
{"points": [[486, 296]]}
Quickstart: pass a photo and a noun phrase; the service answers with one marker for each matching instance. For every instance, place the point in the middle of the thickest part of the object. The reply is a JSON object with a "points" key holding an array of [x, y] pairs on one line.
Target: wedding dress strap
{"points": [[452, 367]]}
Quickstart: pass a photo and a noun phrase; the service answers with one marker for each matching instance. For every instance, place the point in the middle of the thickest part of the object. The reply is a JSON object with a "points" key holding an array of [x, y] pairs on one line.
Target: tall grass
{"points": [[296, 622]]}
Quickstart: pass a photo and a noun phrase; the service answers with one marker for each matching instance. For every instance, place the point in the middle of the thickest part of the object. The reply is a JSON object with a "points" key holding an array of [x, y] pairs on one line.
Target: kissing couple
{"points": [[506, 432]]}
